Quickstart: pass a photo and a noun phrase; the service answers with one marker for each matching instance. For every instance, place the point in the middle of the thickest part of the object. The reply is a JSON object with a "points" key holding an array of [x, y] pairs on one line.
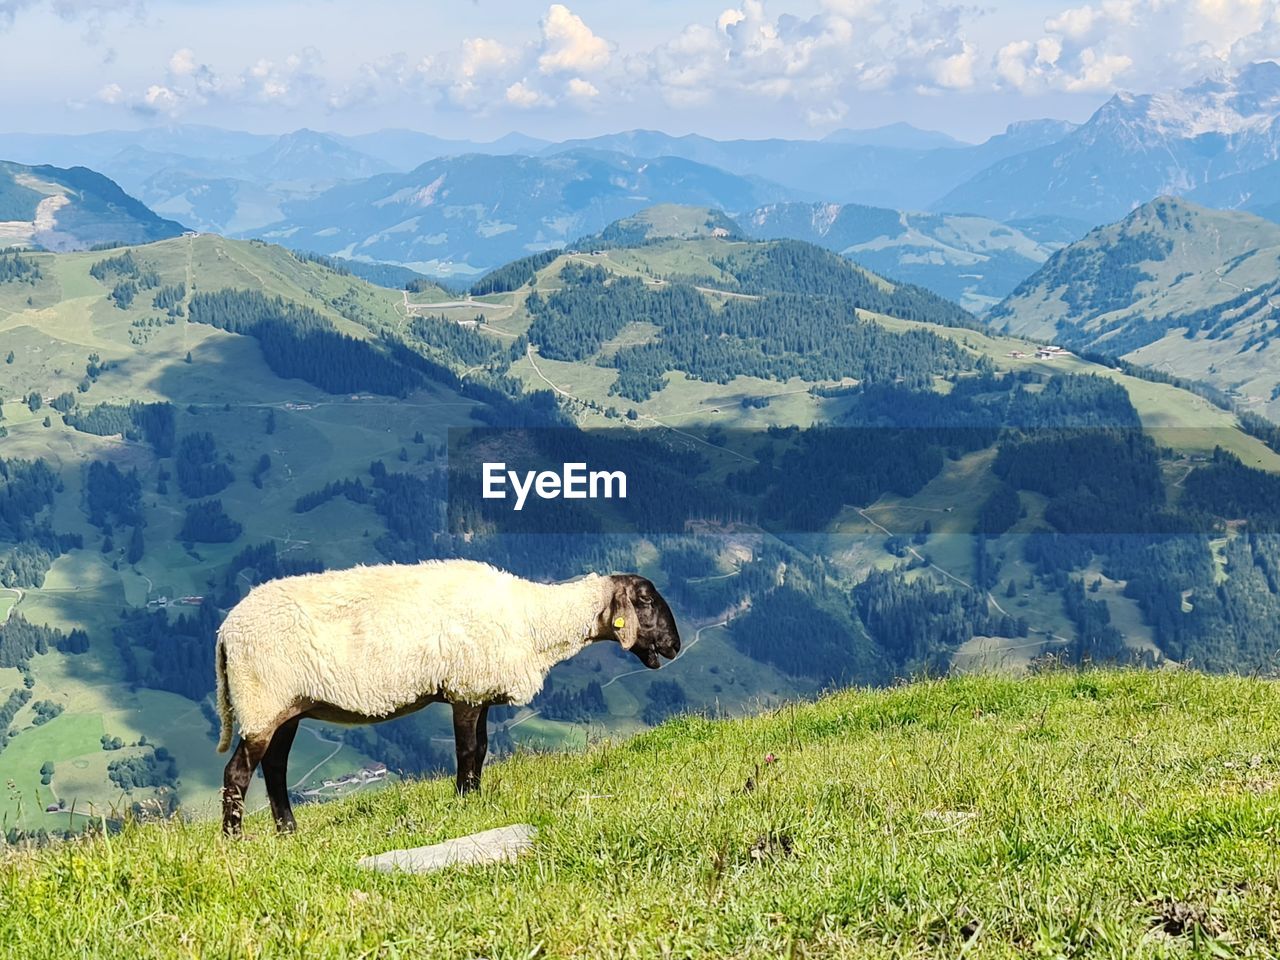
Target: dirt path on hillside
{"points": [[991, 600], [17, 599]]}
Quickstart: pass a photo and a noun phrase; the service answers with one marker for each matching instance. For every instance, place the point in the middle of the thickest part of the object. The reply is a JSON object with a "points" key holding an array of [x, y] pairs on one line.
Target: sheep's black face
{"points": [[642, 620]]}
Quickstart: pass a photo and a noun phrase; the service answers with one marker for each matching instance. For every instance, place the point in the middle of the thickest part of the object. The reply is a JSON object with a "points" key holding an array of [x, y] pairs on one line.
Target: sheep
{"points": [[377, 642]]}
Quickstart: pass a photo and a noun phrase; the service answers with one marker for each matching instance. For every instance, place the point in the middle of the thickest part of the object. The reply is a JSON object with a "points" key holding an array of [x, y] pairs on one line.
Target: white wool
{"points": [[371, 640]]}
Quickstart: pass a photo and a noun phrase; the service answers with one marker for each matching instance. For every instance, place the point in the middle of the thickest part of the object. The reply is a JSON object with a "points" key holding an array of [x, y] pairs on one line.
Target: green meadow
{"points": [[1103, 814]]}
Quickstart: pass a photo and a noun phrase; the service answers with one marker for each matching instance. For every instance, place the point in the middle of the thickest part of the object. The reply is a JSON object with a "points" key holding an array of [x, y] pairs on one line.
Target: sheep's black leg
{"points": [[275, 764], [471, 736], [235, 781], [482, 742]]}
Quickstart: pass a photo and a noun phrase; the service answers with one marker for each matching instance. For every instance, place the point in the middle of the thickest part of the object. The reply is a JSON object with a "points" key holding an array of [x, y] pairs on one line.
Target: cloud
{"points": [[1150, 44], [91, 13], [189, 84], [111, 93], [183, 62], [568, 45], [581, 90], [752, 54], [956, 71], [1098, 71], [849, 47], [160, 99], [525, 97]]}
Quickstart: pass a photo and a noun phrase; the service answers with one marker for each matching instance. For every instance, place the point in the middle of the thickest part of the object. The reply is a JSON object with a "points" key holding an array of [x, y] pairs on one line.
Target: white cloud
{"points": [[1148, 44], [161, 99], [1098, 71], [568, 44], [111, 93], [582, 90], [183, 62], [525, 97], [1075, 23], [956, 71], [752, 53]]}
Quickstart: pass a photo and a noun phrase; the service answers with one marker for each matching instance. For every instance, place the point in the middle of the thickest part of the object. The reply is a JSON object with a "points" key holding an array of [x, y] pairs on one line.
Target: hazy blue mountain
{"points": [[96, 149], [973, 260], [309, 157], [406, 149], [1256, 191], [464, 215], [71, 209], [235, 194], [884, 173], [1136, 147], [902, 135], [227, 205]]}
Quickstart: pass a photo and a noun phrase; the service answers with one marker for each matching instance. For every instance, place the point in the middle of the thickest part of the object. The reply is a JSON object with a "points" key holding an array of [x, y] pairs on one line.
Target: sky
{"points": [[477, 69]]}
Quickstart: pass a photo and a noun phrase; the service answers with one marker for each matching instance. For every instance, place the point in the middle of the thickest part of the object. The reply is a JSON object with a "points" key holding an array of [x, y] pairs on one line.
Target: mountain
{"points": [[309, 157], [1173, 286], [664, 222], [1254, 191], [180, 449], [972, 260], [406, 149], [880, 172], [1136, 147], [901, 135], [241, 193], [234, 182], [465, 215], [212, 204], [71, 209]]}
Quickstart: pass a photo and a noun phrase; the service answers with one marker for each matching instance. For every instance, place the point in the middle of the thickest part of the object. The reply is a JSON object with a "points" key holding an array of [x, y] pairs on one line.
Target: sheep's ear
{"points": [[622, 616]]}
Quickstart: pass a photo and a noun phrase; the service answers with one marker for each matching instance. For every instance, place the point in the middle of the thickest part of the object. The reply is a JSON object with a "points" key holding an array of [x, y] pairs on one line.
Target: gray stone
{"points": [[500, 845]]}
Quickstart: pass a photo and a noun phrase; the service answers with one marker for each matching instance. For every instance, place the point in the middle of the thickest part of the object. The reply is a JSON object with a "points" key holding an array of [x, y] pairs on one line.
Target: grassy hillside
{"points": [[228, 390], [1186, 422], [1175, 287], [54, 324], [1068, 815]]}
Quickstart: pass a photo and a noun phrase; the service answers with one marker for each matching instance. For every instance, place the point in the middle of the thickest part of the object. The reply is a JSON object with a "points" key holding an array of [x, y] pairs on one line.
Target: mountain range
{"points": [[465, 215], [1137, 147]]}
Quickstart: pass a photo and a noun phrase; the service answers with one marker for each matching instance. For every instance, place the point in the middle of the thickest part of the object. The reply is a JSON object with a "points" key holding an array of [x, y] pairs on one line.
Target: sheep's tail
{"points": [[224, 699]]}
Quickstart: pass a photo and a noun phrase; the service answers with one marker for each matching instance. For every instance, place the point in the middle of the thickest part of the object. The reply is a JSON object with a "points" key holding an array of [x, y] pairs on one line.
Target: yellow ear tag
{"points": [[619, 622]]}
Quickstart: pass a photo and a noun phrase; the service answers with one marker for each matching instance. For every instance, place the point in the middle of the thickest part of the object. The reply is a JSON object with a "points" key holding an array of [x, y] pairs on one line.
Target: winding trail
{"points": [[991, 600], [17, 599], [1272, 302], [919, 556]]}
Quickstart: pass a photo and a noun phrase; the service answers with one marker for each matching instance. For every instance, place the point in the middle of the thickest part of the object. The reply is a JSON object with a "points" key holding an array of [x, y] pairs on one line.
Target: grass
{"points": [[1069, 815]]}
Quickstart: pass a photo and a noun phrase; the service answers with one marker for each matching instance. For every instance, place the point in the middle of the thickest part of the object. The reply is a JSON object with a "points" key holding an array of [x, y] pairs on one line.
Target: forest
{"points": [[802, 269], [152, 422], [297, 341], [775, 337]]}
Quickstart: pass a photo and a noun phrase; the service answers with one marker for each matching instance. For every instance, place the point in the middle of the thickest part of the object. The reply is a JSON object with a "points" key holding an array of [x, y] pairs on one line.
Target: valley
{"points": [[846, 419]]}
